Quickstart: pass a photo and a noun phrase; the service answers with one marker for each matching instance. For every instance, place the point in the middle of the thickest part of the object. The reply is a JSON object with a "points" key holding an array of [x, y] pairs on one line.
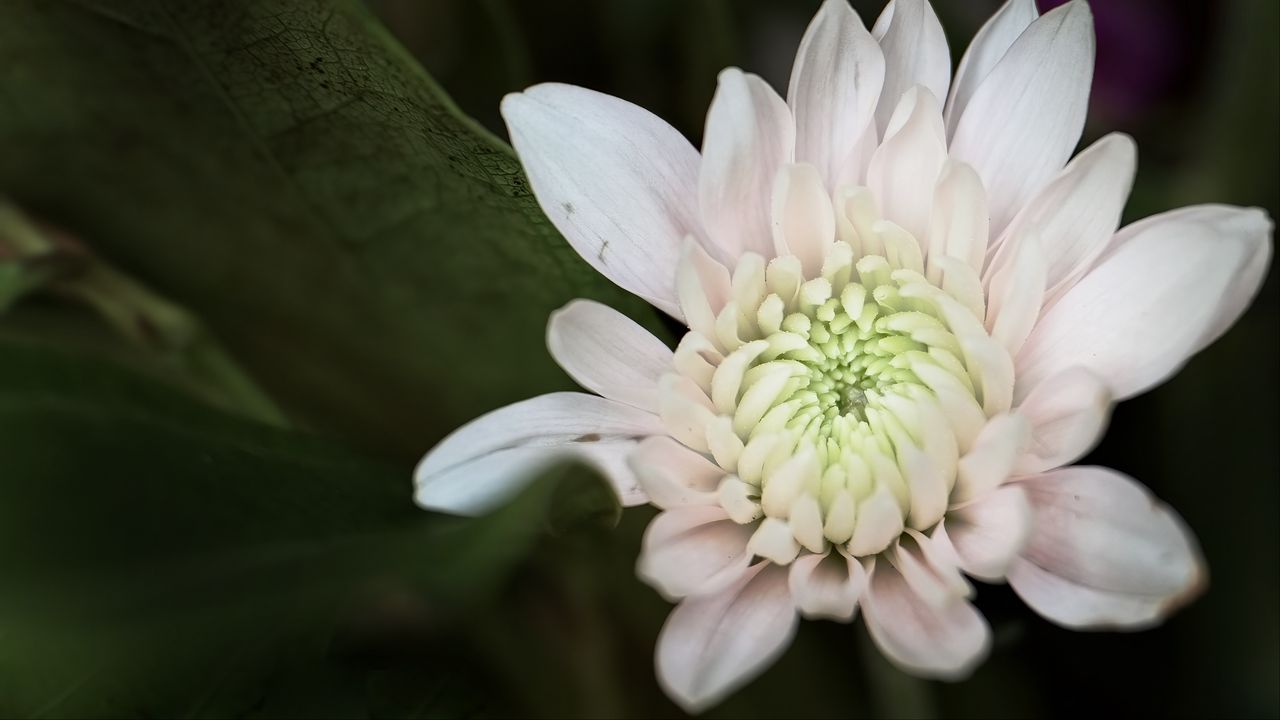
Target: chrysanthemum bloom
{"points": [[905, 317]]}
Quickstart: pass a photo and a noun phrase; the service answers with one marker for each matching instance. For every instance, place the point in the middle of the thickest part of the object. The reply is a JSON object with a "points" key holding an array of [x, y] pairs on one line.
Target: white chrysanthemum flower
{"points": [[905, 316]]}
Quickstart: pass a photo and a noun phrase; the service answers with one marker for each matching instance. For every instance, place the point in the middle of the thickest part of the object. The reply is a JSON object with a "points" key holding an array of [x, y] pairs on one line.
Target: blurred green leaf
{"points": [[285, 170], [164, 559]]}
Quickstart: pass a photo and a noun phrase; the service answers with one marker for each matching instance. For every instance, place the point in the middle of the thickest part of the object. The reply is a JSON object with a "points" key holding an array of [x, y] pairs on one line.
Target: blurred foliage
{"points": [[283, 176], [286, 172]]}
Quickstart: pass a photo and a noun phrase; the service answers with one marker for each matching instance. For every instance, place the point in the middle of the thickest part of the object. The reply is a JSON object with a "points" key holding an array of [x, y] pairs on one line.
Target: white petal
{"points": [[958, 225], [908, 161], [685, 410], [713, 644], [773, 541], [963, 413], [988, 534], [749, 135], [608, 353], [1251, 223], [990, 462], [804, 224], [879, 523], [805, 521], [618, 182], [1025, 118], [1016, 293], [673, 475], [1080, 607], [945, 641], [835, 83], [1068, 413], [702, 288], [915, 53], [827, 586], [693, 550], [1172, 283], [933, 575], [696, 358], [481, 484], [1075, 216], [987, 48], [1109, 552], [491, 458]]}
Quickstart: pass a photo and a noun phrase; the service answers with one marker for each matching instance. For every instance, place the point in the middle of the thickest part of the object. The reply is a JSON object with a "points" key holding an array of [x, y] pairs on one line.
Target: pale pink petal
{"points": [[673, 475], [1016, 293], [1080, 607], [835, 82], [1075, 216], [1170, 284], [988, 534], [703, 289], [1068, 414], [990, 461], [1252, 225], [1104, 552], [686, 411], [693, 550], [946, 639], [491, 458], [608, 353], [915, 53], [958, 225], [827, 586], [713, 644], [618, 182], [749, 135], [907, 163], [987, 48], [804, 223], [1024, 120]]}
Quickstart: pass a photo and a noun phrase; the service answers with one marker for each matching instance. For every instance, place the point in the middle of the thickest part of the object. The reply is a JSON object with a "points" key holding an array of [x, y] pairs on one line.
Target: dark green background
{"points": [[284, 173]]}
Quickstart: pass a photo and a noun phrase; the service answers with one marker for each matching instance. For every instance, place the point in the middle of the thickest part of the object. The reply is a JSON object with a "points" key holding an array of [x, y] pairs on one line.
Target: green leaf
{"points": [[284, 170], [164, 559]]}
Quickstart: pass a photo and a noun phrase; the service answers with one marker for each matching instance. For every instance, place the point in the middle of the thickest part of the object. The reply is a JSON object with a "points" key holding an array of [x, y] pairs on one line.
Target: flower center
{"points": [[837, 404]]}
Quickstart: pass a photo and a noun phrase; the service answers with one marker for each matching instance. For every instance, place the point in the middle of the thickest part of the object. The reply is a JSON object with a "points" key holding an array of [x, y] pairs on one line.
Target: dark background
{"points": [[1196, 84]]}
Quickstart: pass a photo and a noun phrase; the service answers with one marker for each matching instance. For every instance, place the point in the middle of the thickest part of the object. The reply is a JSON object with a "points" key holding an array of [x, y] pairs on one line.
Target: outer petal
{"points": [[915, 53], [693, 550], [749, 135], [713, 644], [618, 182], [1016, 294], [827, 586], [987, 48], [1068, 414], [1075, 216], [905, 167], [489, 459], [988, 534], [1227, 221], [835, 82], [608, 353], [944, 639], [673, 475], [1025, 118], [1171, 284], [1104, 552]]}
